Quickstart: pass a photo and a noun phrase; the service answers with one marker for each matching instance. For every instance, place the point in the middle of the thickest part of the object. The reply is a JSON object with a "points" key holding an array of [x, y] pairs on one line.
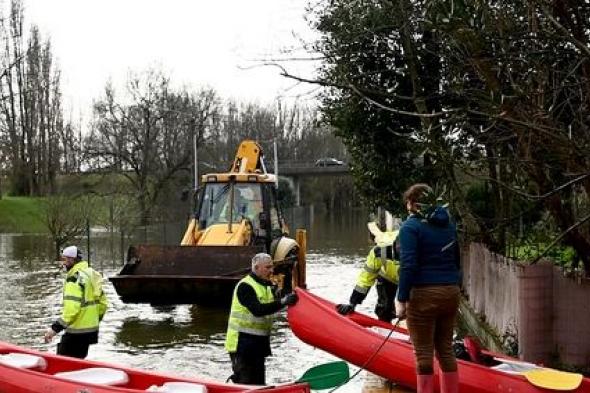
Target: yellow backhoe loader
{"points": [[237, 216]]}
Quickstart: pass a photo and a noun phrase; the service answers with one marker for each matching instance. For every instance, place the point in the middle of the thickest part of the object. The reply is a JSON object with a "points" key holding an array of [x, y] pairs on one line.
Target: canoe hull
{"points": [[316, 322], [15, 380]]}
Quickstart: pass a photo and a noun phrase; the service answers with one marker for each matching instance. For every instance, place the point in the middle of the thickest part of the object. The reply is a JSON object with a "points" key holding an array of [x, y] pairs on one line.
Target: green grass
{"points": [[21, 215]]}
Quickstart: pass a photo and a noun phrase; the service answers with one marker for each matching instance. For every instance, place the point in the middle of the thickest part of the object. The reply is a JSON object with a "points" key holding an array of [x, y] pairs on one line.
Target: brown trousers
{"points": [[431, 319]]}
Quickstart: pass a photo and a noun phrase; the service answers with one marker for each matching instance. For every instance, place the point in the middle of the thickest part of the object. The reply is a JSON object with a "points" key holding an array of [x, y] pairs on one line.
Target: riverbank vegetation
{"points": [[489, 104]]}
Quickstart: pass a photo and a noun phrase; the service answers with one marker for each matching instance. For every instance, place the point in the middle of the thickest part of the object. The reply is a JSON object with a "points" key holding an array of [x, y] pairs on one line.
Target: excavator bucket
{"points": [[167, 274]]}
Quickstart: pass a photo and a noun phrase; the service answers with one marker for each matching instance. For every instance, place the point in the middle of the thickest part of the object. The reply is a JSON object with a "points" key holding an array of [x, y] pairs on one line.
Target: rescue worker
{"points": [[84, 305], [381, 266], [250, 322]]}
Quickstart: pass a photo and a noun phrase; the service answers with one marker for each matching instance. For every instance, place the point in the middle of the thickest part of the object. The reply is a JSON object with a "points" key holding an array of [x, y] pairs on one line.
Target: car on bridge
{"points": [[328, 161]]}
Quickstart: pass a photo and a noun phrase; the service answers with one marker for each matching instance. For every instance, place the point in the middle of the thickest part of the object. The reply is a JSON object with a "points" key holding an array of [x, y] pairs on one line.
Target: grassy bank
{"points": [[21, 215]]}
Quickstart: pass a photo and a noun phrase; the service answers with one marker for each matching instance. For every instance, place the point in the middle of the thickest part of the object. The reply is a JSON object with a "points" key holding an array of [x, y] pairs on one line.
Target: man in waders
{"points": [[250, 322], [381, 266], [84, 305]]}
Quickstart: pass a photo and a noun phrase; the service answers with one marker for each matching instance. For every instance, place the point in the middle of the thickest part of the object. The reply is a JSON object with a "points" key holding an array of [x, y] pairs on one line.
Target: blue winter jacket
{"points": [[429, 252]]}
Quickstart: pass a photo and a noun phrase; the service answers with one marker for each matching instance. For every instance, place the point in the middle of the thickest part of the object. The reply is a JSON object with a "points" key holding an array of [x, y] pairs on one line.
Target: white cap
{"points": [[70, 252]]}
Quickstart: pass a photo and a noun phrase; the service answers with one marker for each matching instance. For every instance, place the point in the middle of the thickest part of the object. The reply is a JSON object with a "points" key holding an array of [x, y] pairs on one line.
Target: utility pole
{"points": [[195, 163], [276, 159]]}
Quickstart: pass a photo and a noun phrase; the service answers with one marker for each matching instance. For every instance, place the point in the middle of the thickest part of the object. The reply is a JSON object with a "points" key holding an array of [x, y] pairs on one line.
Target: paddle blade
{"points": [[553, 379], [325, 376]]}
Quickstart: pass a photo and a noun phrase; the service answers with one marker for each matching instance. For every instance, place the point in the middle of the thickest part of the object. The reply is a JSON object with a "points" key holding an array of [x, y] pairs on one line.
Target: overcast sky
{"points": [[196, 42]]}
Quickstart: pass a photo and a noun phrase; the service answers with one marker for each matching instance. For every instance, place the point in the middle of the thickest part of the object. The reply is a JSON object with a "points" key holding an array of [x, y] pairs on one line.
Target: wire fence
{"points": [[110, 243]]}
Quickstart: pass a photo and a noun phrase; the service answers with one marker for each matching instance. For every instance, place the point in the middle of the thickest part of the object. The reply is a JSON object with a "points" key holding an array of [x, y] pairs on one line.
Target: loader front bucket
{"points": [[166, 274]]}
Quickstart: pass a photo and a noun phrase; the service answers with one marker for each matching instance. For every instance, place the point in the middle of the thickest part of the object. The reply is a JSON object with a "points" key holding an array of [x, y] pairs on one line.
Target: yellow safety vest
{"points": [[375, 267], [242, 320], [84, 302]]}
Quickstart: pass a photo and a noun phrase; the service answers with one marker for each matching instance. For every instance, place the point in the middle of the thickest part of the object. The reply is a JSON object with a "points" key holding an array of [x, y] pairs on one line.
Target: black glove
{"points": [[345, 308], [289, 300]]}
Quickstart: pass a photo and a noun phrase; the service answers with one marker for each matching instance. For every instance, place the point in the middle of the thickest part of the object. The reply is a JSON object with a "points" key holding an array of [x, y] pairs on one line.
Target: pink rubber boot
{"points": [[450, 382], [425, 383]]}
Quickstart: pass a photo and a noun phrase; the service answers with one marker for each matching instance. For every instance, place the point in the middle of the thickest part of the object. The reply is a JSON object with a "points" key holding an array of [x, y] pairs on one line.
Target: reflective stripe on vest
{"points": [[376, 267], [383, 254], [242, 320]]}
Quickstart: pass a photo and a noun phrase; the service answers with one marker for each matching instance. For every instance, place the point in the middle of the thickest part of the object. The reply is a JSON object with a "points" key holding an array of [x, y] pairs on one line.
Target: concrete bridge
{"points": [[293, 171], [289, 168], [307, 168]]}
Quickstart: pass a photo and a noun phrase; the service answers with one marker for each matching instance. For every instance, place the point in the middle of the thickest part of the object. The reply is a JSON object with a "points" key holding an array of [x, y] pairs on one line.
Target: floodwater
{"points": [[184, 340]]}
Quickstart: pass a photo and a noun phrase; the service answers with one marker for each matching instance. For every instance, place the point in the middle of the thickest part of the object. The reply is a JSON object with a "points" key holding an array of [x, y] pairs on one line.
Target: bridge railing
{"points": [[294, 164], [291, 164]]}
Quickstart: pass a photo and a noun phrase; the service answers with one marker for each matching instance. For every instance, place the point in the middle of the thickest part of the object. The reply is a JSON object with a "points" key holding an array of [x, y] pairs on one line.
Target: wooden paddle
{"points": [[553, 379]]}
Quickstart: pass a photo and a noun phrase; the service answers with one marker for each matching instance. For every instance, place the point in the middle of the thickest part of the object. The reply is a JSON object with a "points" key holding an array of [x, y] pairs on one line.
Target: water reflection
{"points": [[341, 233], [178, 326], [30, 251]]}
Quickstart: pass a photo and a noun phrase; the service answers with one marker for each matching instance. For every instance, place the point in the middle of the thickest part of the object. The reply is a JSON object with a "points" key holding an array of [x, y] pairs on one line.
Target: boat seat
{"points": [[23, 360], [507, 368], [514, 367], [395, 335], [96, 375], [179, 387]]}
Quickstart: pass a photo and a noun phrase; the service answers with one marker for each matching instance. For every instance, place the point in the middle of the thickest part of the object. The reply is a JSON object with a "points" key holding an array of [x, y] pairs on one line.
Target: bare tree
{"points": [[30, 109], [66, 218], [148, 135]]}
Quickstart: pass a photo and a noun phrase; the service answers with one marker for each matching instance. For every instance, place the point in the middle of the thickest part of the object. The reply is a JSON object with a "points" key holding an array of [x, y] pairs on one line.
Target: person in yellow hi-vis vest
{"points": [[84, 305], [250, 321], [381, 266]]}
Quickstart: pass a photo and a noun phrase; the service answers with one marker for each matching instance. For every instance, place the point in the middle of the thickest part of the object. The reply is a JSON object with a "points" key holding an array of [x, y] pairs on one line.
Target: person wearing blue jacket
{"points": [[428, 292]]}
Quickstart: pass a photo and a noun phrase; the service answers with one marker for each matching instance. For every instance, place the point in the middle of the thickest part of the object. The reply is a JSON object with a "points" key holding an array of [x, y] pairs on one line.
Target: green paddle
{"points": [[324, 376], [327, 375]]}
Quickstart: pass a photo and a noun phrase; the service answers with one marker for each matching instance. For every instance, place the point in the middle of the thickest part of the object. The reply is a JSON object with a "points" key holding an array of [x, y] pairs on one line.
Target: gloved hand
{"points": [[289, 299], [344, 309]]}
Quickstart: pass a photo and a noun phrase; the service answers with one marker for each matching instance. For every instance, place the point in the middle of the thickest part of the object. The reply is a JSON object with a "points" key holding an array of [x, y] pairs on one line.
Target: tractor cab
{"points": [[224, 208]]}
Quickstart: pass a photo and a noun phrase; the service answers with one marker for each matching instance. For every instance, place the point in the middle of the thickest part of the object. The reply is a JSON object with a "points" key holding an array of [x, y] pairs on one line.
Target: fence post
{"points": [[123, 245], [535, 312], [88, 239], [112, 230]]}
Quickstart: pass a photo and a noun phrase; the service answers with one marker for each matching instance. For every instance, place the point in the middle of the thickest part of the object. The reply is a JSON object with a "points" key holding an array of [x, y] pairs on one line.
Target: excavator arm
{"points": [[248, 158]]}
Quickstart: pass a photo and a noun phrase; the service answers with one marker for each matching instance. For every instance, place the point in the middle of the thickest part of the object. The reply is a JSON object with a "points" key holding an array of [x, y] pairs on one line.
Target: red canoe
{"points": [[353, 338], [27, 371]]}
